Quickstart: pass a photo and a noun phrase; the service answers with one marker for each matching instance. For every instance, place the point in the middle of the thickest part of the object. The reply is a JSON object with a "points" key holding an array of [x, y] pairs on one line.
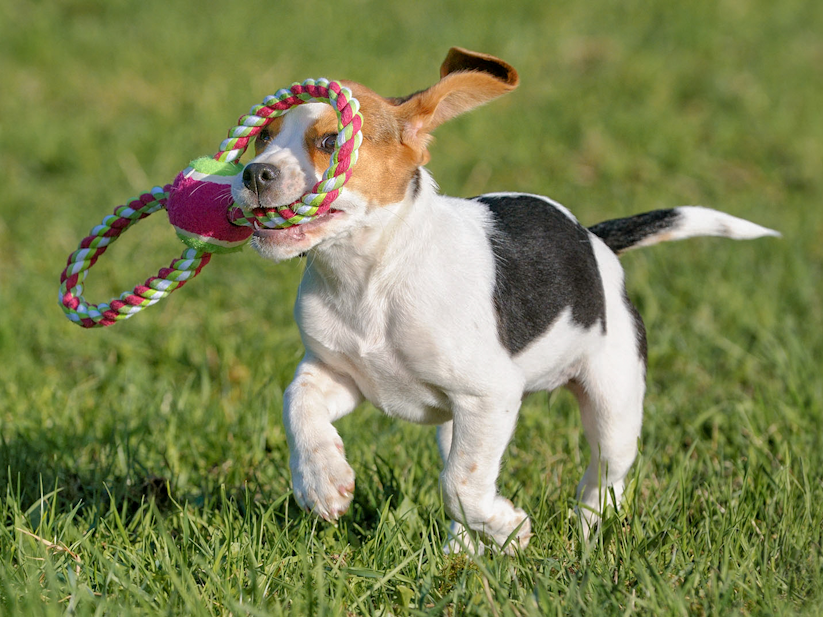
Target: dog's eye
{"points": [[327, 142], [263, 138]]}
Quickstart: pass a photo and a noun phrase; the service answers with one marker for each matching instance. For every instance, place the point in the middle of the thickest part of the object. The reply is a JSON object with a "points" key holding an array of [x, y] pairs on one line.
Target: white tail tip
{"points": [[700, 221]]}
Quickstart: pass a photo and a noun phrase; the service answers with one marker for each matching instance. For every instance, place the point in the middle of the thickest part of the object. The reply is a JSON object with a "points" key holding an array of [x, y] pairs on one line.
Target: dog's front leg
{"points": [[479, 433], [322, 479]]}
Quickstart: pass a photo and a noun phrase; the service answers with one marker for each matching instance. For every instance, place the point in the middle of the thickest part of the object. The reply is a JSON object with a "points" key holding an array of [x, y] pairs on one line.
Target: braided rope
{"points": [[188, 265], [142, 296], [349, 137]]}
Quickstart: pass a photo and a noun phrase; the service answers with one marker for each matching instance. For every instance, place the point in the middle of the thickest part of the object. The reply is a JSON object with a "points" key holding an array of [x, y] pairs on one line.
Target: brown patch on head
{"points": [[385, 166], [268, 133], [396, 131], [325, 126]]}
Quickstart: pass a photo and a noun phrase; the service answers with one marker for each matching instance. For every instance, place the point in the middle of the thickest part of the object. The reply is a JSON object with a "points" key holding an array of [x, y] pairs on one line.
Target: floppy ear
{"points": [[467, 80]]}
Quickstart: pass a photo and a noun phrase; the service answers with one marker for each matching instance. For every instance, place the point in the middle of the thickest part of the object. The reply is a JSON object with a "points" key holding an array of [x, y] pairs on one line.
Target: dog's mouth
{"points": [[294, 233]]}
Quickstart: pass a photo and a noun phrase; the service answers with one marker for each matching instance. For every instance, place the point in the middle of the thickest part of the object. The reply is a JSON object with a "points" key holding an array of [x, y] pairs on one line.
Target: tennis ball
{"points": [[198, 207]]}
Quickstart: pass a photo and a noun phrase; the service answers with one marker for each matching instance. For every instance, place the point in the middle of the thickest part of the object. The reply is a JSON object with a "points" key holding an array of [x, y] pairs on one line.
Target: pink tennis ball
{"points": [[198, 206]]}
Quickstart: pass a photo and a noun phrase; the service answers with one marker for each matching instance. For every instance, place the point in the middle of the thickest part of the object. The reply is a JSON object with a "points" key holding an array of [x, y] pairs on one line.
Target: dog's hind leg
{"points": [[610, 394], [460, 538]]}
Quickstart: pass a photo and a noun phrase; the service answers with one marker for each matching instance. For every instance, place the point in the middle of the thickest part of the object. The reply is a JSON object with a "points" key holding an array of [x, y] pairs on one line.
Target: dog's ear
{"points": [[459, 59], [467, 80]]}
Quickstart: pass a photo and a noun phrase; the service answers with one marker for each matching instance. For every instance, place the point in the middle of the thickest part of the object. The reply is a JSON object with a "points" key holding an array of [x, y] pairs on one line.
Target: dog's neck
{"points": [[351, 260]]}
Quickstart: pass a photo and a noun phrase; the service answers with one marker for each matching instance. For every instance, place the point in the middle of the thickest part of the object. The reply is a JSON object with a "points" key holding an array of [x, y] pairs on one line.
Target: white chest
{"points": [[370, 346]]}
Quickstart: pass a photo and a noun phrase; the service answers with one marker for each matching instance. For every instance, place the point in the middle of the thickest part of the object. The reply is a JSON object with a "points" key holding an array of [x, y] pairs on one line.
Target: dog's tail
{"points": [[621, 235]]}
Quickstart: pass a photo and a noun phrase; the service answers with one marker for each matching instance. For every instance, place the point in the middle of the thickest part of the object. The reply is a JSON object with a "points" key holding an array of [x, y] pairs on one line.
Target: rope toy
{"points": [[200, 206]]}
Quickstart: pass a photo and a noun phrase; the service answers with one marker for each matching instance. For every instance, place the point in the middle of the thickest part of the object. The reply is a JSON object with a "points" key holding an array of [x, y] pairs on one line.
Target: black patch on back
{"points": [[621, 234], [544, 263]]}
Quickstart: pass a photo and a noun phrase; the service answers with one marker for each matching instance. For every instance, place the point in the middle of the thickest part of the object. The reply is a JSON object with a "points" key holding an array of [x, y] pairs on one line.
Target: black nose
{"points": [[258, 177]]}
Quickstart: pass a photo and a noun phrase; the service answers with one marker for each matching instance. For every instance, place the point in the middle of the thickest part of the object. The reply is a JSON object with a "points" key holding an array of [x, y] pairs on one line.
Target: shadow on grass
{"points": [[39, 466], [377, 486], [44, 472]]}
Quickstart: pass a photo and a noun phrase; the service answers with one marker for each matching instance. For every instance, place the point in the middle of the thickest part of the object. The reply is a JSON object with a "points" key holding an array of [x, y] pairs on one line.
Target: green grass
{"points": [[143, 468]]}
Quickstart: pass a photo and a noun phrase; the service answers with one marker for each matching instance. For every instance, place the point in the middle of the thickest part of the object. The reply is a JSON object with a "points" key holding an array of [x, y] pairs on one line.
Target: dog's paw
{"points": [[323, 481], [509, 527]]}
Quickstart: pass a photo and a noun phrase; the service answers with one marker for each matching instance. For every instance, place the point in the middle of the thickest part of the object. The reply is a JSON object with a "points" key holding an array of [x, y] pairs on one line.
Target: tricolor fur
{"points": [[448, 311]]}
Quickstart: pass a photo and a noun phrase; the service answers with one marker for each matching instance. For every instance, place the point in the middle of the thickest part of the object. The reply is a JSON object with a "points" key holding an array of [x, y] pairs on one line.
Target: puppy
{"points": [[449, 311]]}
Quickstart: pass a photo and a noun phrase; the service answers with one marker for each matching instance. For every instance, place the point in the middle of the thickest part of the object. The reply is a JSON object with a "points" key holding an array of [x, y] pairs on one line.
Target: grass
{"points": [[143, 468]]}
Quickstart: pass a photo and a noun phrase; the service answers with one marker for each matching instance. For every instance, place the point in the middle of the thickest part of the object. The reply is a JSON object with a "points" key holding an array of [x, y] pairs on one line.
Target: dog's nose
{"points": [[258, 177]]}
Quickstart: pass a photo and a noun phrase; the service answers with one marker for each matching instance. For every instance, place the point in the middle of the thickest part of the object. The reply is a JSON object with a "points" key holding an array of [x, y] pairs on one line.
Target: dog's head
{"points": [[293, 151]]}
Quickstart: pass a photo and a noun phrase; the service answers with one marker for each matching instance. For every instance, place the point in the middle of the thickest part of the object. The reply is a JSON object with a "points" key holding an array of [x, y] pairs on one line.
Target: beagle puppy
{"points": [[449, 311]]}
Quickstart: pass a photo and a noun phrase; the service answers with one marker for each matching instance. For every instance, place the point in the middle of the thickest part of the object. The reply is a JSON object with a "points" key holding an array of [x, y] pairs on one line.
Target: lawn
{"points": [[144, 468]]}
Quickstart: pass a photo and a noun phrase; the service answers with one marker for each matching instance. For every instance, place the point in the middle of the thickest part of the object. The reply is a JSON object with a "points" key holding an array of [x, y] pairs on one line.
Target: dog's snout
{"points": [[258, 177]]}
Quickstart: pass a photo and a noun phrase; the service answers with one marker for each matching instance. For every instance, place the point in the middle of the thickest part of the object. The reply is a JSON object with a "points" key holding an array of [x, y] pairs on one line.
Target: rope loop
{"points": [[349, 138], [181, 270], [315, 203]]}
